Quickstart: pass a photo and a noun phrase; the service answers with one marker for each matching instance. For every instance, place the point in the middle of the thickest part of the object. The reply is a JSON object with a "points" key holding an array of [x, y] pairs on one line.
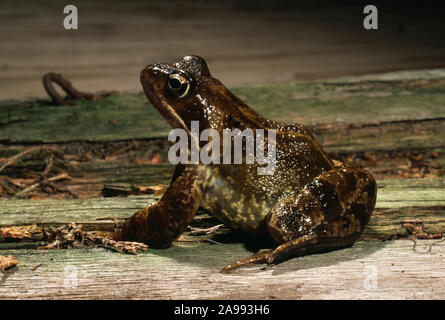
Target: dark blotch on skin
{"points": [[350, 181], [371, 189], [360, 214], [325, 192]]}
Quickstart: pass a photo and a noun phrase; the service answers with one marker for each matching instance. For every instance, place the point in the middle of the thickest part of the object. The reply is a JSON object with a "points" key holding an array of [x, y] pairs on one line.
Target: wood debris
{"points": [[72, 236], [7, 262], [46, 168], [113, 190], [30, 232], [201, 231], [416, 229]]}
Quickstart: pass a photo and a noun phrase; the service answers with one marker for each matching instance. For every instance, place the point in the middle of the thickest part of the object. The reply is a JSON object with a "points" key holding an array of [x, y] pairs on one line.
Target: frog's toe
{"points": [[261, 256]]}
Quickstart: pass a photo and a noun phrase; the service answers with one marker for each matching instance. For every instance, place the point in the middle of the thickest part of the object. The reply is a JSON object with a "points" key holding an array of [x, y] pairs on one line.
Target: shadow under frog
{"points": [[310, 203], [220, 242]]}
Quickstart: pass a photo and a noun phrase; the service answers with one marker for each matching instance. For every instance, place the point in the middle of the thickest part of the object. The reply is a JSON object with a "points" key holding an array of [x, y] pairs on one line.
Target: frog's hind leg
{"points": [[330, 212]]}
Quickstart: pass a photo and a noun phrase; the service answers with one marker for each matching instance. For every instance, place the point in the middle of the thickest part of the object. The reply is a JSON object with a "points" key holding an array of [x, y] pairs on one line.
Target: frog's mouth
{"points": [[158, 101]]}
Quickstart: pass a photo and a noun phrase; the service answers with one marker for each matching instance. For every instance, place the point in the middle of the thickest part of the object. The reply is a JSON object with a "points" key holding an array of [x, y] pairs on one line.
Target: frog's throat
{"points": [[172, 117]]}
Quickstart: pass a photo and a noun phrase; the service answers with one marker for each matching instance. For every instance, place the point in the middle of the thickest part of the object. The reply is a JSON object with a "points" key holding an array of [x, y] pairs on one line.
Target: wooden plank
{"points": [[396, 201], [381, 136], [130, 116], [368, 270]]}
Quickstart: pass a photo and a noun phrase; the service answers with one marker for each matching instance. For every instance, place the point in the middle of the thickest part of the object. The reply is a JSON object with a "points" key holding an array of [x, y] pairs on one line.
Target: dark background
{"points": [[242, 41]]}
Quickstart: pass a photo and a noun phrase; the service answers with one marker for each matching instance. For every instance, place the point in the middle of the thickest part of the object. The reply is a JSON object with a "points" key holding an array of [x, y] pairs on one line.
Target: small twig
{"points": [[213, 241], [13, 159], [199, 231], [62, 176], [48, 167], [66, 86], [51, 77], [412, 238]]}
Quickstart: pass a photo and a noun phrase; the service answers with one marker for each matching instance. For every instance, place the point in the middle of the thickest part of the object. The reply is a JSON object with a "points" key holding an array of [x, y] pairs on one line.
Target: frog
{"points": [[310, 203]]}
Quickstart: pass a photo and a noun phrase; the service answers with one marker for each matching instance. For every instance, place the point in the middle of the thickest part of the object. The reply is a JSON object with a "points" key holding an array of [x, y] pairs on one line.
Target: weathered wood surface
{"points": [[397, 200], [419, 104], [190, 268], [368, 270]]}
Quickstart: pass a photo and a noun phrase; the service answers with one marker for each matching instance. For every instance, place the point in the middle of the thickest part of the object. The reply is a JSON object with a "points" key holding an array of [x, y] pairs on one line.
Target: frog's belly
{"points": [[236, 209]]}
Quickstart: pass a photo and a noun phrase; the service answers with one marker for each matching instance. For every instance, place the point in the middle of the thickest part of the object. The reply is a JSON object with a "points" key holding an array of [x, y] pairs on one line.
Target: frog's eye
{"points": [[179, 85]]}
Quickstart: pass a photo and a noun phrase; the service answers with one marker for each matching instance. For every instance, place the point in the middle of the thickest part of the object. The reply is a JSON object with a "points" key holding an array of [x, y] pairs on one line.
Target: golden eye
{"points": [[178, 85]]}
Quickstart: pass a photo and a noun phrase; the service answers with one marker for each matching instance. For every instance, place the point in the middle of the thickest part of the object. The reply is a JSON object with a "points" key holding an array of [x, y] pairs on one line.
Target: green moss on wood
{"points": [[130, 116]]}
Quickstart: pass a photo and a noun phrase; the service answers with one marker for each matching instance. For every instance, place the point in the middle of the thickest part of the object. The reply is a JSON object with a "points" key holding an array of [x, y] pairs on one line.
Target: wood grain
{"points": [[368, 270], [396, 202], [419, 102], [189, 269]]}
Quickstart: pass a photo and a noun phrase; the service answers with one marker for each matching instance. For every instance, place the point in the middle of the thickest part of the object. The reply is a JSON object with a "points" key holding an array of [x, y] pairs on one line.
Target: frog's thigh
{"points": [[329, 212]]}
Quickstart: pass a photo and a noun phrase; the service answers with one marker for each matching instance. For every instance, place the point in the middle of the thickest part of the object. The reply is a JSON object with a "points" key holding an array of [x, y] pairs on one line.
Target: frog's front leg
{"points": [[330, 212], [159, 224]]}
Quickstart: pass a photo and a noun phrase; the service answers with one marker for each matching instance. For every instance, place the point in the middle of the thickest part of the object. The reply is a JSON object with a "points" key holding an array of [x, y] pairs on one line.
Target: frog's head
{"points": [[185, 92]]}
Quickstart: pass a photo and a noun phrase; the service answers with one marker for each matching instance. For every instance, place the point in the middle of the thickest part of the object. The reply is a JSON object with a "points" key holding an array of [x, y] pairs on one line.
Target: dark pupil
{"points": [[175, 83]]}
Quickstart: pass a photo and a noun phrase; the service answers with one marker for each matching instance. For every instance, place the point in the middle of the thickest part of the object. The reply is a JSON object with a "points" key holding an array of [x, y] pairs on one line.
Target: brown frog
{"points": [[310, 203]]}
